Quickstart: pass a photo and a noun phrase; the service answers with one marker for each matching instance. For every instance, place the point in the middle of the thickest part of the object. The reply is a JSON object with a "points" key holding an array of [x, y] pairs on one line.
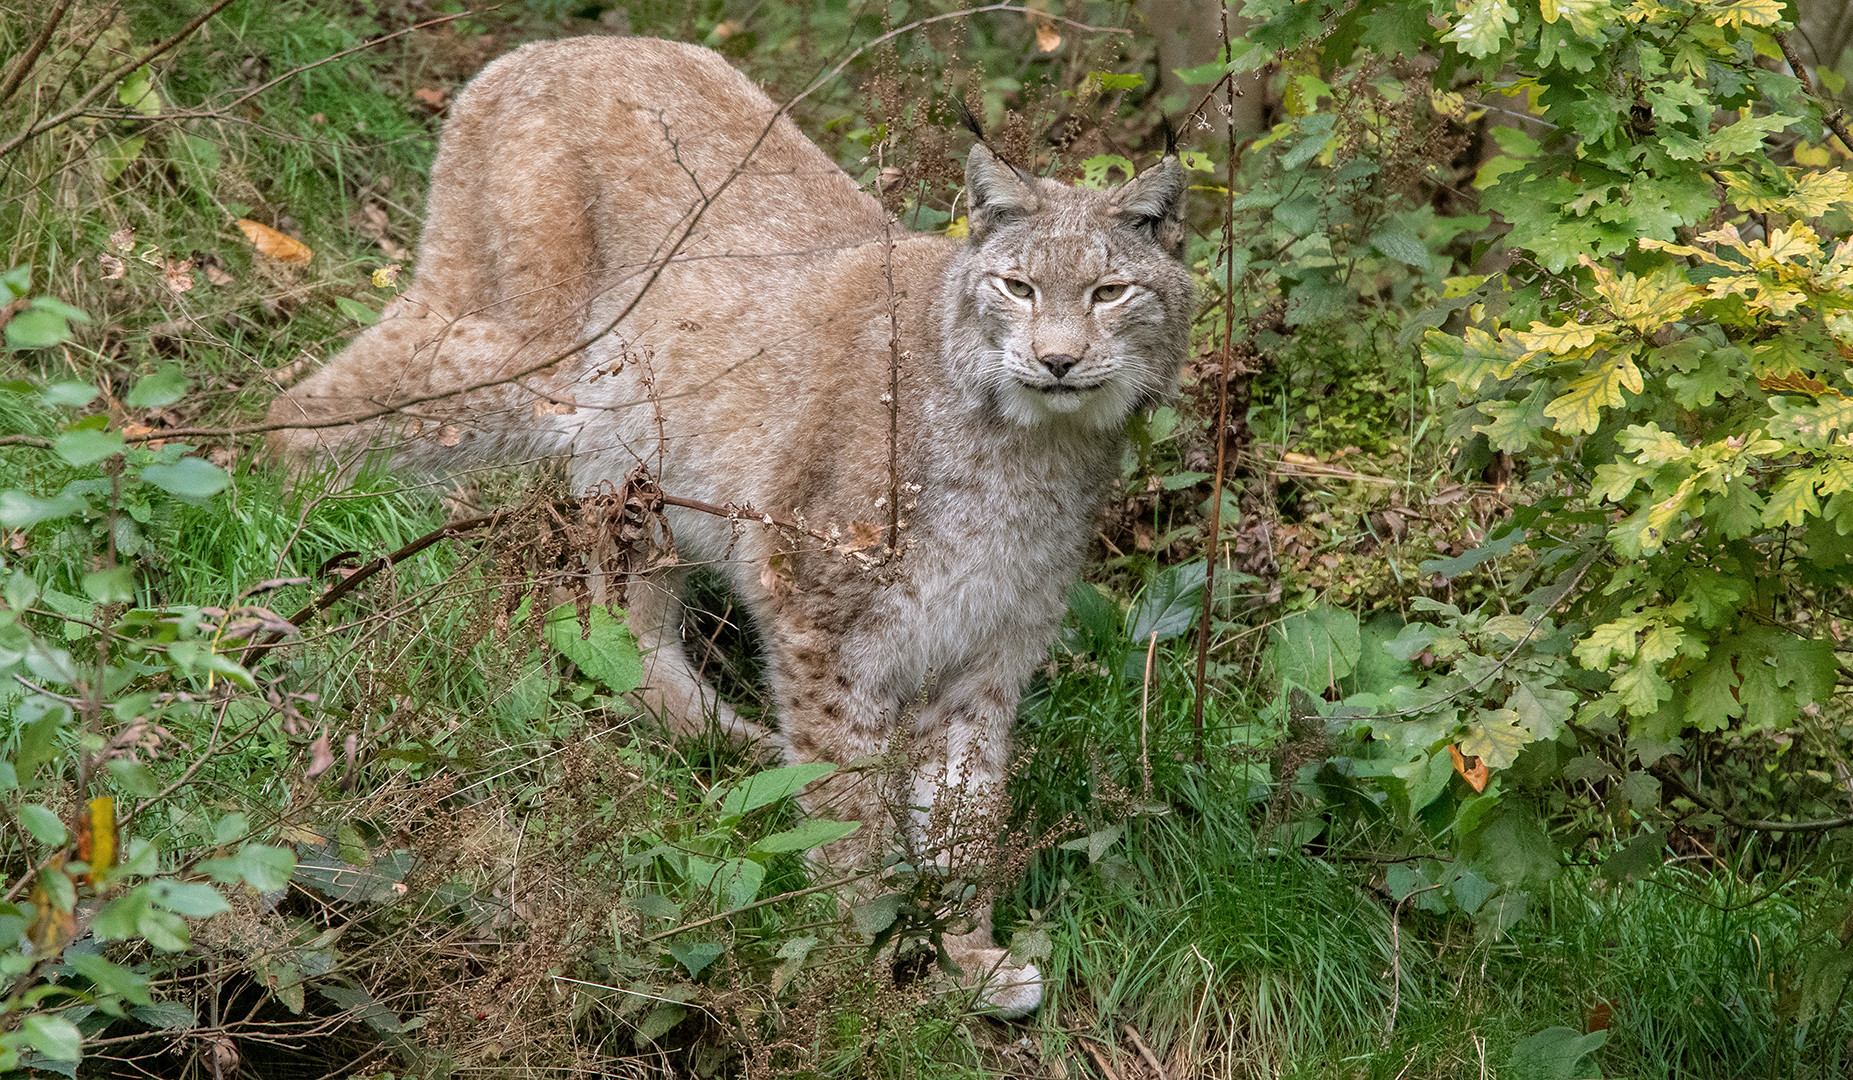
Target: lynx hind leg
{"points": [[376, 396], [672, 690]]}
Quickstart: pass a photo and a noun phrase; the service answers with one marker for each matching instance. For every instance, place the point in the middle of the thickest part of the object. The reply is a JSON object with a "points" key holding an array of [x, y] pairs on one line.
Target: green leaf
{"points": [[876, 914], [19, 510], [1169, 605], [88, 446], [696, 956], [192, 899], [1316, 648], [36, 328], [1467, 560], [1402, 246], [166, 1015], [162, 388], [265, 868], [1555, 1053], [357, 311], [73, 393], [53, 1036], [108, 978], [44, 825], [606, 651], [112, 586], [1466, 361], [1495, 736], [189, 478], [815, 832], [17, 282], [765, 788], [164, 930]]}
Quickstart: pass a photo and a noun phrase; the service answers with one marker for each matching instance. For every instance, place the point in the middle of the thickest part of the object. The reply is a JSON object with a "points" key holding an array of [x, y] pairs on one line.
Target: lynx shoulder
{"points": [[633, 260]]}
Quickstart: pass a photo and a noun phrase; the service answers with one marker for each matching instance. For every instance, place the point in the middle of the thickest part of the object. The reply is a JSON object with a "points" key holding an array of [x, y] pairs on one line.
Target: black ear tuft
{"points": [[1170, 137], [997, 190], [967, 120]]}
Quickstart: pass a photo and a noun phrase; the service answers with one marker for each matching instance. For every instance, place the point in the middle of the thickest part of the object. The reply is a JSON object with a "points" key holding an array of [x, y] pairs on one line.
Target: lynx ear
{"points": [[997, 190], [1155, 200]]}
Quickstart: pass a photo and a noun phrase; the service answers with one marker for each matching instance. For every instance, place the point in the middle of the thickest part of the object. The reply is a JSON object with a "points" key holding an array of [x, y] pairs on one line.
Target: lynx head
{"points": [[1068, 306]]}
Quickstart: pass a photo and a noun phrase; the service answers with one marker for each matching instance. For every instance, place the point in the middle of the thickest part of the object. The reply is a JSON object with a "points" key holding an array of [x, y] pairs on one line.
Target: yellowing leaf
{"points": [[1794, 502], [1648, 303], [1557, 339], [1472, 770], [1495, 736], [275, 245], [1481, 26], [1579, 409], [1741, 13]]}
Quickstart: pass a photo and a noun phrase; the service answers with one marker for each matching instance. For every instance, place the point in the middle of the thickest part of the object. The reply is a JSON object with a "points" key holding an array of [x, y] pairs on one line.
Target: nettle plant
{"points": [[1666, 359], [91, 683]]}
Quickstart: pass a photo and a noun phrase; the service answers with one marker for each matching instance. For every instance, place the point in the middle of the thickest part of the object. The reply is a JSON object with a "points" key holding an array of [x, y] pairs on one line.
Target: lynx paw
{"points": [[1006, 990]]}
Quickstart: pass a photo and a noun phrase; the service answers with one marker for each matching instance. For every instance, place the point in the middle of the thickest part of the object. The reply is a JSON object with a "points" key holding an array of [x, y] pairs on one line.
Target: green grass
{"points": [[1228, 955]]}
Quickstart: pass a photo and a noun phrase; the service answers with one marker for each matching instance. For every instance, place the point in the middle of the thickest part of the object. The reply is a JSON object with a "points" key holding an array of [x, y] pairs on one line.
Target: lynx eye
{"points": [[1022, 290], [1106, 294]]}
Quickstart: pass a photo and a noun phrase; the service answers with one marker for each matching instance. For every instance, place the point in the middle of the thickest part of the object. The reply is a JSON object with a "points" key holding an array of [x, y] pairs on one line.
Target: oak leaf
{"points": [[275, 245]]}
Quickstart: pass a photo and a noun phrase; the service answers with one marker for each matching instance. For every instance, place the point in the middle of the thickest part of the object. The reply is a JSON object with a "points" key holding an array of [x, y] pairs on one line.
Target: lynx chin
{"points": [[750, 364]]}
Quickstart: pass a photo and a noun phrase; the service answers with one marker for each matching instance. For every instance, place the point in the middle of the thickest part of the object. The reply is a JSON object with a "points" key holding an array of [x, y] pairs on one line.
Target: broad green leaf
{"points": [[606, 651], [815, 832], [53, 1036], [1316, 648], [695, 956], [1555, 1053], [115, 585], [764, 788], [192, 899], [1608, 640], [1404, 247], [109, 978], [19, 510], [42, 824], [1793, 502], [876, 914], [189, 478], [37, 328], [166, 1015], [88, 446], [72, 393], [162, 388], [1169, 605]]}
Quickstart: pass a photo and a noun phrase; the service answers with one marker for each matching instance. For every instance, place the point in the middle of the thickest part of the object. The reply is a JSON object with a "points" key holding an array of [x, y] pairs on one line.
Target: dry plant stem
{"points": [[23, 66], [110, 79], [1100, 1060], [1396, 959], [1214, 545], [1831, 119], [1151, 1059]]}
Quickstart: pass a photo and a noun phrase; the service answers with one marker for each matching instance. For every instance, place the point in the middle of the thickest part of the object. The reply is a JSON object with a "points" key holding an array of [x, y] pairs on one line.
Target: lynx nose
{"points": [[1059, 364]]}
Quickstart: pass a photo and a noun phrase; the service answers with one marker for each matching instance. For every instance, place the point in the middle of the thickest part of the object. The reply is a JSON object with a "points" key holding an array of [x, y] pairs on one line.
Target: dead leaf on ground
{"points": [[275, 245], [123, 240], [432, 99], [1048, 38], [113, 268], [217, 276], [136, 431], [1475, 773], [179, 274], [321, 758]]}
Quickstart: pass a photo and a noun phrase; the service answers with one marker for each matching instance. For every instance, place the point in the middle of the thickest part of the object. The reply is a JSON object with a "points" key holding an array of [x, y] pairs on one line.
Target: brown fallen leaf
{"points": [[1048, 39], [1475, 774], [217, 276], [432, 99], [123, 240], [179, 274], [321, 758], [275, 245], [113, 268]]}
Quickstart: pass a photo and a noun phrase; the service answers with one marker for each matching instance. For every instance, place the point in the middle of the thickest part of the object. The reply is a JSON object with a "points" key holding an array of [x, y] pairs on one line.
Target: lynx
{"points": [[632, 259]]}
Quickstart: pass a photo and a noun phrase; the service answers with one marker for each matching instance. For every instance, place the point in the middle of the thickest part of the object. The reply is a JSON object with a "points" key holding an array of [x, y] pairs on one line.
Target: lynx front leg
{"points": [[672, 689], [960, 809]]}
